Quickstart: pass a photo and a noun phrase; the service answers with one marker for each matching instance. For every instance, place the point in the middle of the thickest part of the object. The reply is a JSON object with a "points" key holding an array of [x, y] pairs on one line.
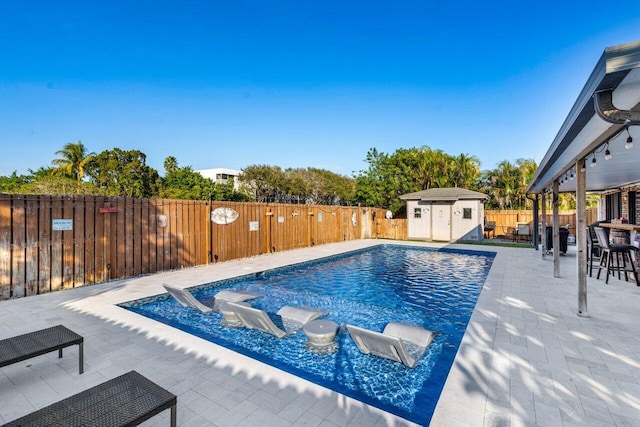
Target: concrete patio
{"points": [[526, 359]]}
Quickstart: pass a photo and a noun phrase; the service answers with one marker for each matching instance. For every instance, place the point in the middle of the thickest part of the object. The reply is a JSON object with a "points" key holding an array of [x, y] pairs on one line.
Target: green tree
{"points": [[59, 185], [184, 183], [266, 181], [409, 170], [73, 161], [507, 184], [466, 171], [11, 183], [123, 173], [318, 186], [170, 164]]}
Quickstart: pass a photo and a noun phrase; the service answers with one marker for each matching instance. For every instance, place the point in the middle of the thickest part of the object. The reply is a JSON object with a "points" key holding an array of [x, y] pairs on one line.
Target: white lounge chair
{"points": [[292, 318], [399, 342], [185, 298]]}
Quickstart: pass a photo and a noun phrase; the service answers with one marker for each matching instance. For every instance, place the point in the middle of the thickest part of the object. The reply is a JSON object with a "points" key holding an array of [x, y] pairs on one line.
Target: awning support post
{"points": [[556, 228], [543, 223], [581, 236]]}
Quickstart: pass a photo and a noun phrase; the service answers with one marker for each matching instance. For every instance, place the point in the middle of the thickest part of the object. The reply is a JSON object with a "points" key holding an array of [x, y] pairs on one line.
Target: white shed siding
{"points": [[467, 229], [419, 228]]}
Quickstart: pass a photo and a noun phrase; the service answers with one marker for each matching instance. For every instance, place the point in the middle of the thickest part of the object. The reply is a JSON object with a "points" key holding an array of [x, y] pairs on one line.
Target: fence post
{"points": [[269, 215]]}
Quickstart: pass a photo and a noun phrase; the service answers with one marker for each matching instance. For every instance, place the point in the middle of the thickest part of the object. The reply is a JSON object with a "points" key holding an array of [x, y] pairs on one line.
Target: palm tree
{"points": [[170, 164], [74, 158], [504, 183], [467, 169]]}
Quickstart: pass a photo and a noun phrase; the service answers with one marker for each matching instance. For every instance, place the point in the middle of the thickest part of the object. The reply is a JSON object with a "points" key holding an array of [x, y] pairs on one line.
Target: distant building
{"points": [[222, 175]]}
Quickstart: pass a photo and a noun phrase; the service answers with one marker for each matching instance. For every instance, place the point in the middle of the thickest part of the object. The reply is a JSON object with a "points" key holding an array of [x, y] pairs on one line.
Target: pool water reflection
{"points": [[435, 289]]}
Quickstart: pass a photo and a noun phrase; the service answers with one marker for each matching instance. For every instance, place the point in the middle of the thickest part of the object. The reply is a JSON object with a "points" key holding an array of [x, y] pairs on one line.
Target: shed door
{"points": [[441, 223]]}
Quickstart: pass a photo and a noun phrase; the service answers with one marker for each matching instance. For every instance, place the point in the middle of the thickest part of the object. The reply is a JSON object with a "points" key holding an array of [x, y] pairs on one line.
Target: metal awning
{"points": [[585, 133]]}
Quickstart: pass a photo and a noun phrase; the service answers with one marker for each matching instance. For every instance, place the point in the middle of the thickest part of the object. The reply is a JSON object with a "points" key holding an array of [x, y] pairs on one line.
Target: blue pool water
{"points": [[436, 289]]}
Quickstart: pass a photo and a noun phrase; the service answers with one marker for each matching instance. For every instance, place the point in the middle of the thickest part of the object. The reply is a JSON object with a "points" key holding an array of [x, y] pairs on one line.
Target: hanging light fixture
{"points": [[607, 153], [571, 176], [593, 162], [629, 143], [583, 165]]}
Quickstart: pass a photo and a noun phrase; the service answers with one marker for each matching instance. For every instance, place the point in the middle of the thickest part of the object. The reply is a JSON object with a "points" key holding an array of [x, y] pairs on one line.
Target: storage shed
{"points": [[445, 214]]}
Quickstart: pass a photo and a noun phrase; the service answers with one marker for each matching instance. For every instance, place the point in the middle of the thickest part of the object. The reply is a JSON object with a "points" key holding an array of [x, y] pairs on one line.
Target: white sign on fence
{"points": [[254, 225], [62, 224]]}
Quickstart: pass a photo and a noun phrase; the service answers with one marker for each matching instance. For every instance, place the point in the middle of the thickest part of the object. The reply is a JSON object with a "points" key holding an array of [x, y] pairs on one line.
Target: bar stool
{"points": [[593, 248], [607, 252]]}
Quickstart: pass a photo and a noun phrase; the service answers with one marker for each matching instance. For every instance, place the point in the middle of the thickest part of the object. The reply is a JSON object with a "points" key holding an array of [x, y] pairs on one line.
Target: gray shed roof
{"points": [[444, 194]]}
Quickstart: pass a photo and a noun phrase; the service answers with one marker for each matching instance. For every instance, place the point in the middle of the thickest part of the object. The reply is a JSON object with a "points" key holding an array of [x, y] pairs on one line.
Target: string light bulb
{"points": [[607, 153], [629, 144], [593, 162]]}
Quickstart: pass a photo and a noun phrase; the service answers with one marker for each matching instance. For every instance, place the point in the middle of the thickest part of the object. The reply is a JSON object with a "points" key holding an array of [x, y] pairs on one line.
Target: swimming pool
{"points": [[436, 289]]}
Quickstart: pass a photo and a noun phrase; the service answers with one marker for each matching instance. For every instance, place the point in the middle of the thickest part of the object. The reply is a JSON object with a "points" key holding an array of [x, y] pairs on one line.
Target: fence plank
{"points": [[118, 242], [191, 235], [100, 246], [164, 247], [19, 244], [44, 245], [89, 239], [32, 238], [173, 236], [143, 235], [128, 238], [5, 246], [56, 246], [179, 235], [79, 236], [153, 233], [67, 246]]}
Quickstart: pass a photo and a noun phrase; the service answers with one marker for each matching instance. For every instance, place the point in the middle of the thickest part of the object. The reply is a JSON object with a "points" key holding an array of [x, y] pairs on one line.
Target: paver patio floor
{"points": [[526, 359]]}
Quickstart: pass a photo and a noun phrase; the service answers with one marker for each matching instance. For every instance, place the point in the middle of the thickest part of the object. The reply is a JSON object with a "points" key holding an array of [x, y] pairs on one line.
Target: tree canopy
{"points": [[299, 185], [123, 173], [506, 185], [118, 172], [409, 170]]}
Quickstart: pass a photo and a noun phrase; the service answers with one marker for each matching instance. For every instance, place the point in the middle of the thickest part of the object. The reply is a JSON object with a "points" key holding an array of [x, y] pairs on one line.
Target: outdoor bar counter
{"points": [[630, 229], [627, 227]]}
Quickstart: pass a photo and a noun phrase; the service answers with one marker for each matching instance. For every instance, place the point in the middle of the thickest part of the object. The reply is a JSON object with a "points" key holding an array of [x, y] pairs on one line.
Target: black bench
{"points": [[23, 347], [127, 400]]}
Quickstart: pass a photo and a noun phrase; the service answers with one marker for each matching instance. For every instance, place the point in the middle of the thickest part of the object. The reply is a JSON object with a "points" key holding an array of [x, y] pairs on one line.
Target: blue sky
{"points": [[295, 83]]}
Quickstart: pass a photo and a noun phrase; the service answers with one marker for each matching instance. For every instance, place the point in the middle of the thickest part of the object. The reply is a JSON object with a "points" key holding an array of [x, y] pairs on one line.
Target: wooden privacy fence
{"points": [[507, 219], [48, 243]]}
